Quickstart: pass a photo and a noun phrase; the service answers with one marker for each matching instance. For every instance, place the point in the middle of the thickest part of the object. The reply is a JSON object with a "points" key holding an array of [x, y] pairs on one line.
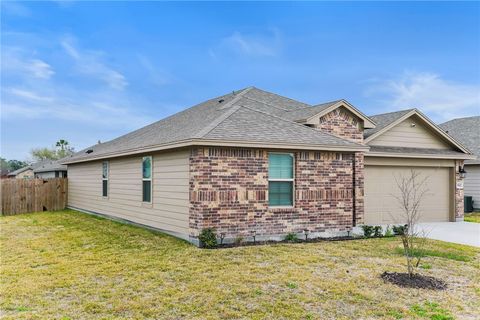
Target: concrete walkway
{"points": [[456, 232]]}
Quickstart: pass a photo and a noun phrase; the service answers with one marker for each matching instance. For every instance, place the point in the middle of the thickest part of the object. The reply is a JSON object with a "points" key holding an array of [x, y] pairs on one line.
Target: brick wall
{"points": [[229, 191], [341, 123]]}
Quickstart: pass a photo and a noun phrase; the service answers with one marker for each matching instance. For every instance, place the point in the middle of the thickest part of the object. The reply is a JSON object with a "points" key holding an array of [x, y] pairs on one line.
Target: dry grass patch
{"points": [[68, 265]]}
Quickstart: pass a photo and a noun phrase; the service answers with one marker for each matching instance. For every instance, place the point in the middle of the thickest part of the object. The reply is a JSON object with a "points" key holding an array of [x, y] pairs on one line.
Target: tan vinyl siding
{"points": [[169, 209], [472, 184], [384, 161], [404, 135]]}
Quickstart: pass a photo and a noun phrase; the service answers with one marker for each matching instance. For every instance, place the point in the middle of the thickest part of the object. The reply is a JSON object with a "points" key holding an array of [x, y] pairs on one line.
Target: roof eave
{"points": [[226, 143], [420, 155]]}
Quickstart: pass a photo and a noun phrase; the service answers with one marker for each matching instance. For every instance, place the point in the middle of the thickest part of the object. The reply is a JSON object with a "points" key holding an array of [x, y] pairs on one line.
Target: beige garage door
{"points": [[381, 206]]}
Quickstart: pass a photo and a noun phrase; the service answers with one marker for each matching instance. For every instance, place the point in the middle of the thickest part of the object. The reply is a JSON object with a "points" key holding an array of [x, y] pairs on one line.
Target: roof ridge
{"points": [[222, 117], [398, 111], [328, 102], [269, 104], [299, 125], [278, 95]]}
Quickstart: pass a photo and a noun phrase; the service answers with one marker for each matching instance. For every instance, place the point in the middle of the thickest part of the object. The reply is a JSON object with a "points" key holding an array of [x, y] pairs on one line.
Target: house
{"points": [[467, 131], [253, 162], [42, 169], [22, 173], [50, 169]]}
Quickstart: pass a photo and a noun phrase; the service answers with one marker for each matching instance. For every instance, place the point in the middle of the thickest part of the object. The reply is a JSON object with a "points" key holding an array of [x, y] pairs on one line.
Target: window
{"points": [[147, 179], [105, 179], [280, 179]]}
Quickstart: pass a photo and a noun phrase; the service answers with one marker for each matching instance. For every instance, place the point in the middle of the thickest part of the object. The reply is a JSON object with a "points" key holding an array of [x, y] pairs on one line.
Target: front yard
{"points": [[68, 265]]}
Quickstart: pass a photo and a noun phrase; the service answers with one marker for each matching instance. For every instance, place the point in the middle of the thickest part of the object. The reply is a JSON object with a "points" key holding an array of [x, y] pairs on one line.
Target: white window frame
{"points": [[106, 179], [148, 179], [292, 180]]}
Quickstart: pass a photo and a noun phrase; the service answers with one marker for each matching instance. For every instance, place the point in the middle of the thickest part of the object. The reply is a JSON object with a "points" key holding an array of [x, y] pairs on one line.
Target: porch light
{"points": [[462, 172]]}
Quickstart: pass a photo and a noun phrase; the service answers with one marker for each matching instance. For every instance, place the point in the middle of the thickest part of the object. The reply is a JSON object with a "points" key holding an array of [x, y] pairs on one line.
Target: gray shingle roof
{"points": [[467, 131], [249, 114], [14, 173], [50, 165], [32, 166], [383, 120], [305, 113], [246, 124]]}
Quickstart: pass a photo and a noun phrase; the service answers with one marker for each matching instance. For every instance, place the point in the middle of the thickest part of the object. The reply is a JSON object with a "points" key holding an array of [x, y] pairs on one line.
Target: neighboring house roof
{"points": [[51, 165], [467, 131], [249, 117], [41, 166], [18, 171], [386, 121]]}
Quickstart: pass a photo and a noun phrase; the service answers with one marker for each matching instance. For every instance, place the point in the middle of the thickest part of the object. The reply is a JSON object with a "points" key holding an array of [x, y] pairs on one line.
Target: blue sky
{"points": [[96, 70]]}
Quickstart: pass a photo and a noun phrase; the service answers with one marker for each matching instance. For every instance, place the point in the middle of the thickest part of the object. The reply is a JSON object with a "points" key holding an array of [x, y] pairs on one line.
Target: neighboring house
{"points": [[22, 173], [467, 130], [253, 162], [50, 169], [42, 169]]}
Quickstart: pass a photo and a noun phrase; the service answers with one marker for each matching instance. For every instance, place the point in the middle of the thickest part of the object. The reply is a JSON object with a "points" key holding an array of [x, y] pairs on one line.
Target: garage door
{"points": [[381, 206]]}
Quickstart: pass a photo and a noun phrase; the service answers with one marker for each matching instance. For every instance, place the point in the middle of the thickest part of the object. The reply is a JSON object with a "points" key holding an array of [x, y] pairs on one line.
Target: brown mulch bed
{"points": [[416, 281]]}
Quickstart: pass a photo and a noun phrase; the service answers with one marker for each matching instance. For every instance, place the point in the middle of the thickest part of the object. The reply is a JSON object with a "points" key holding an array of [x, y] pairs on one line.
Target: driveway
{"points": [[456, 232]]}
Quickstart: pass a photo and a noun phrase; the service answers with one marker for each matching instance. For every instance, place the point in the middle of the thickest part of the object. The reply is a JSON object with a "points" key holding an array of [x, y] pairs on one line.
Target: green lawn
{"points": [[473, 217], [68, 265]]}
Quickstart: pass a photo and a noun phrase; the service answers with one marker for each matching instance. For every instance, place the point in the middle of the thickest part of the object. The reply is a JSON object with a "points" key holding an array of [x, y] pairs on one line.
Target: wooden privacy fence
{"points": [[32, 195]]}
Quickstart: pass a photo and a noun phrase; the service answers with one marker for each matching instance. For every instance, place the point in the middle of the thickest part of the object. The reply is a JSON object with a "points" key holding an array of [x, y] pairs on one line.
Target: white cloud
{"points": [[439, 98], [267, 44], [28, 95], [94, 109], [18, 61], [90, 63]]}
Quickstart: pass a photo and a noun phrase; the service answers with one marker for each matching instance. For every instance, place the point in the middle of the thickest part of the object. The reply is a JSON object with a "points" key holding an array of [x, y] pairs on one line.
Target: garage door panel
{"points": [[382, 206]]}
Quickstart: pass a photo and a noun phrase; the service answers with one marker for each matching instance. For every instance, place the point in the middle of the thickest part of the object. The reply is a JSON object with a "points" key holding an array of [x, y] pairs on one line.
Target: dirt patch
{"points": [[416, 281]]}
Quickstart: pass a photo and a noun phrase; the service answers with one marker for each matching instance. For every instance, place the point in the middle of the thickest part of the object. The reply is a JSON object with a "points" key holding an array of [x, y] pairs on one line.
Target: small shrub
{"points": [[389, 232], [238, 240], [367, 231], [399, 230], [377, 232], [208, 238], [291, 237], [292, 285], [426, 266]]}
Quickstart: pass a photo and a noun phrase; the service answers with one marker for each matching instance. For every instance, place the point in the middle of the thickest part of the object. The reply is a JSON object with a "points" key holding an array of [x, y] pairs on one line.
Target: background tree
{"points": [[16, 164], [62, 149], [412, 189], [40, 154], [12, 165]]}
